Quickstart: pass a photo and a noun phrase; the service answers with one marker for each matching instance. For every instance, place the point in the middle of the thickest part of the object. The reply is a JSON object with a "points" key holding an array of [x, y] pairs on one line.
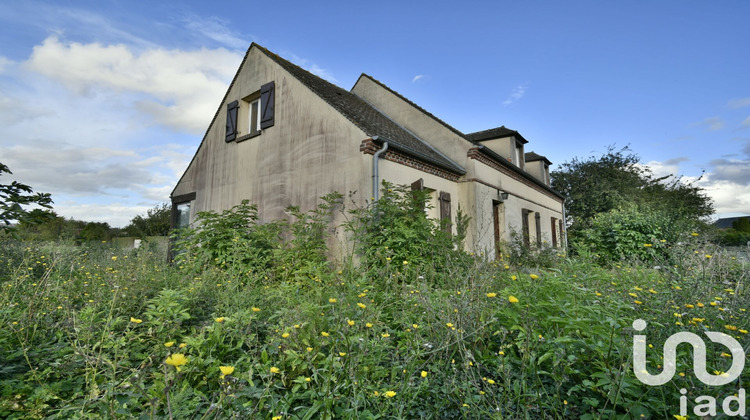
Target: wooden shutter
{"points": [[538, 226], [445, 210], [417, 185], [267, 93], [232, 109]]}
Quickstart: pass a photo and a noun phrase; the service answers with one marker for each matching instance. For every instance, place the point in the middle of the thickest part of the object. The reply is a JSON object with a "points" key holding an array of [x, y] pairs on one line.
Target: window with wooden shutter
{"points": [[525, 227], [538, 226], [267, 93], [445, 211], [232, 109]]}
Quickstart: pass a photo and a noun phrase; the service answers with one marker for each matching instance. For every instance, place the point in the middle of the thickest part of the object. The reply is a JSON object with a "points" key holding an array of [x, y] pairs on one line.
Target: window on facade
{"points": [[182, 219], [253, 117], [525, 227], [538, 227], [255, 112]]}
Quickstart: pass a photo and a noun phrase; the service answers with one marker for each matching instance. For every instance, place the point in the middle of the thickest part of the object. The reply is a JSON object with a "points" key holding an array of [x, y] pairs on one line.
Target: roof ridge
{"points": [[359, 108], [419, 108]]}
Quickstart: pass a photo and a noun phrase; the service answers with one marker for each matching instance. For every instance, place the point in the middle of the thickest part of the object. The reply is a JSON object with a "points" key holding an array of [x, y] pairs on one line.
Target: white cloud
{"points": [[739, 103], [728, 196], [713, 123], [117, 214], [666, 168], [4, 63], [179, 89], [217, 29], [417, 77], [516, 94]]}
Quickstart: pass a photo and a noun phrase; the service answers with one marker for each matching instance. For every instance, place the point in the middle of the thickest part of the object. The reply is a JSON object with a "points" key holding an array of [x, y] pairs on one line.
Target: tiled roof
{"points": [[532, 157], [495, 133], [422, 110], [368, 119]]}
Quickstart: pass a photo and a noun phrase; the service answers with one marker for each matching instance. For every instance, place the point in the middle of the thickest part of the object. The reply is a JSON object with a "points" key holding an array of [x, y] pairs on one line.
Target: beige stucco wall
{"points": [[520, 197], [537, 170], [311, 150]]}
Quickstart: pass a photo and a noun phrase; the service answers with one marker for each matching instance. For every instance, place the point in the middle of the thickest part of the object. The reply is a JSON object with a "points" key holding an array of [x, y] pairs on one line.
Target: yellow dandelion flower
{"points": [[533, 276], [285, 335], [342, 354], [708, 257], [309, 349], [182, 345], [226, 370], [647, 245], [135, 320], [406, 262], [633, 295], [324, 334], [308, 379], [390, 394], [176, 360], [256, 309], [491, 295], [332, 300], [368, 325], [449, 325], [361, 305], [490, 381], [219, 319], [512, 299], [350, 322], [513, 277], [274, 369], [423, 374], [415, 326], [385, 335], [694, 234], [169, 344], [637, 302]]}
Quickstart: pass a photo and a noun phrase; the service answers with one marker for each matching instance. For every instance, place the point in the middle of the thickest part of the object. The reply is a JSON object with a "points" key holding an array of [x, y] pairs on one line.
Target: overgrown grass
{"points": [[86, 332], [98, 332]]}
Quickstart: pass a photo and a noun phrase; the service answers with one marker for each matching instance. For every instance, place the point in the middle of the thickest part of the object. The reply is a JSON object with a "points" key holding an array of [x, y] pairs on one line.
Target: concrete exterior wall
{"points": [[312, 150], [537, 170]]}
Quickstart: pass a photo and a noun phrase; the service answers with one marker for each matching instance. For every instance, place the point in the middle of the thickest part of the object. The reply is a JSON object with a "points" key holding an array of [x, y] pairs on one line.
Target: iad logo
{"points": [[707, 404], [699, 357]]}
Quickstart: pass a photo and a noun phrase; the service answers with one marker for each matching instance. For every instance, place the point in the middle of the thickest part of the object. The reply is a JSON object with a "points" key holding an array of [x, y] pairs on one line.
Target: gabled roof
{"points": [[419, 108], [495, 133], [367, 118], [533, 157]]}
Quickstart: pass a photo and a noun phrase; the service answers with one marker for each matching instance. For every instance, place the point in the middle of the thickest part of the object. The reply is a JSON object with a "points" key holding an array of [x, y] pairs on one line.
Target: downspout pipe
{"points": [[375, 172], [565, 228]]}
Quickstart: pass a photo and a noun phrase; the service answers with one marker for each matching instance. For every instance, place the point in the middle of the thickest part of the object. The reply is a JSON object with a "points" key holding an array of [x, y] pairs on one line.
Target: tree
{"points": [[156, 222], [617, 208], [600, 184], [14, 197]]}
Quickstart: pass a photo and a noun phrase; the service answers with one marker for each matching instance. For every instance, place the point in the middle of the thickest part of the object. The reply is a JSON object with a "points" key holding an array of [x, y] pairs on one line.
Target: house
{"points": [[283, 136]]}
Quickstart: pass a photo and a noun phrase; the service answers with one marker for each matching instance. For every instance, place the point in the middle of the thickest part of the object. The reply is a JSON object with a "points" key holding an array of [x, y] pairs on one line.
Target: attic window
{"points": [[254, 113]]}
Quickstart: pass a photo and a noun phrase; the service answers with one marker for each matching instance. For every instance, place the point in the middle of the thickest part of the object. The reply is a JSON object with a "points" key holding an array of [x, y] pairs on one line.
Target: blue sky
{"points": [[103, 103]]}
